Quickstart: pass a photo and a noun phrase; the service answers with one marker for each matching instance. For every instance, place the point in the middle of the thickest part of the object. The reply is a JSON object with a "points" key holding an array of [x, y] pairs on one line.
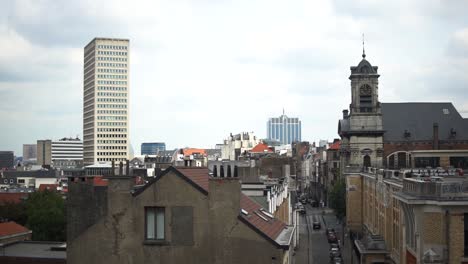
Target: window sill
{"points": [[155, 242]]}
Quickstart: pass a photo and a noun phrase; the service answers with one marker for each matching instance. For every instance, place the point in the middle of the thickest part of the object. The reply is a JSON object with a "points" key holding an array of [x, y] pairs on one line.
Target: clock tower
{"points": [[361, 127]]}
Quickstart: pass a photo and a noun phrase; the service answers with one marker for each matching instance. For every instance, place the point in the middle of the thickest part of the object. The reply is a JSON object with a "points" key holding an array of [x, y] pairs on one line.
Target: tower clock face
{"points": [[365, 90]]}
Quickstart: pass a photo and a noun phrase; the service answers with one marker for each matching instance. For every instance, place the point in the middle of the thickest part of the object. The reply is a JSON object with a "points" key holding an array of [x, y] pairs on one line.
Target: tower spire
{"points": [[363, 50]]}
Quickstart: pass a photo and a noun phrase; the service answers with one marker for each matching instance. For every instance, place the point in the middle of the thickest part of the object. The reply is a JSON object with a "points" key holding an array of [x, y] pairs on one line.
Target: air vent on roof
{"points": [[446, 111], [244, 212]]}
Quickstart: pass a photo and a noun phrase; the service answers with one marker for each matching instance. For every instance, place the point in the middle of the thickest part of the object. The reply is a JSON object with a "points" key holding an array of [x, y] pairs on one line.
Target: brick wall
{"points": [[456, 235], [434, 228], [354, 202]]}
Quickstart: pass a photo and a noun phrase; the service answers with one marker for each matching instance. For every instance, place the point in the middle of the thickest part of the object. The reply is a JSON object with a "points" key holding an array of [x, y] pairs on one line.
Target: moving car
{"points": [[316, 223]]}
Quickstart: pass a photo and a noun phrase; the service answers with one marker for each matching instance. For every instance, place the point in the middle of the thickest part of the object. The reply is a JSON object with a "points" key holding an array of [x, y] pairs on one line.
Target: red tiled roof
{"points": [[261, 148], [99, 181], [199, 176], [11, 228], [335, 146], [191, 151], [271, 228], [12, 197], [49, 187]]}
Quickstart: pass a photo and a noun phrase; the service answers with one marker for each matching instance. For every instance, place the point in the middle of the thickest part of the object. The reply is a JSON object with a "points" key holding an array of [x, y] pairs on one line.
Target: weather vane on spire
{"points": [[363, 51]]}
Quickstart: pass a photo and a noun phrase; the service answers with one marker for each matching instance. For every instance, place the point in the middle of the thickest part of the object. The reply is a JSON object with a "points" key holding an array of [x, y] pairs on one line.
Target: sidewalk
{"points": [[302, 251]]}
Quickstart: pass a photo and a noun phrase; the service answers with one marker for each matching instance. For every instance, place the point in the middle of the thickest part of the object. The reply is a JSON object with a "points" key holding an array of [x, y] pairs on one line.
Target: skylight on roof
{"points": [[261, 216], [446, 111], [266, 213], [244, 212]]}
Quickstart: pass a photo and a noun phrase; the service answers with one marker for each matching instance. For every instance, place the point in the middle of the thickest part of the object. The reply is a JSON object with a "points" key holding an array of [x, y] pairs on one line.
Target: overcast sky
{"points": [[202, 69]]}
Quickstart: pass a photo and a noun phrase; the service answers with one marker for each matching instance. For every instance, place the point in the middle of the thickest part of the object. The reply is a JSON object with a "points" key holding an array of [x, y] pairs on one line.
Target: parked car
{"points": [[332, 238], [334, 245], [334, 252], [329, 230], [337, 260], [314, 203], [300, 208]]}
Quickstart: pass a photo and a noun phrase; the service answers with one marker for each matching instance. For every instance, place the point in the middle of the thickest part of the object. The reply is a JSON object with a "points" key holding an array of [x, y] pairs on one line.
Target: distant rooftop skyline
{"points": [[198, 72]]}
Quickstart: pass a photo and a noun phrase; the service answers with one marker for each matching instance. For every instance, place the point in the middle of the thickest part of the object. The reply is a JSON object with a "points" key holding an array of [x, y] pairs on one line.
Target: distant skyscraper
{"points": [[152, 148], [105, 103], [284, 129], [29, 152], [6, 159]]}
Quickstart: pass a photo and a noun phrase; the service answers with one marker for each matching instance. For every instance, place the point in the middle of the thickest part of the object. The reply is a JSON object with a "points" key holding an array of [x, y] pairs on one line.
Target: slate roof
{"points": [[12, 228], [35, 174], [270, 228], [36, 249], [418, 119]]}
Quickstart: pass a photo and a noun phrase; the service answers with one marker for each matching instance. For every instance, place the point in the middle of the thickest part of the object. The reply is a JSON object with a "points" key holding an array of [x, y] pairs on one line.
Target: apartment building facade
{"points": [[408, 216], [181, 216]]}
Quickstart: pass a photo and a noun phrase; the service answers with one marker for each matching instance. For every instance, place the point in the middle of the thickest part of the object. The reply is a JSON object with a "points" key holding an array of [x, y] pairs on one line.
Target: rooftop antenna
{"points": [[363, 50], [283, 110]]}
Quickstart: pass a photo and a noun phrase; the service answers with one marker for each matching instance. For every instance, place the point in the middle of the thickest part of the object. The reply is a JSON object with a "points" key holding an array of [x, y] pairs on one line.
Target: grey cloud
{"points": [[62, 23]]}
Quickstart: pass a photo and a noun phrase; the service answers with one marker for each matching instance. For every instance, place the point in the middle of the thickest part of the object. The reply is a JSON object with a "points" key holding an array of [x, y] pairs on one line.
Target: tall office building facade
{"points": [[152, 148], [284, 129], [105, 101]]}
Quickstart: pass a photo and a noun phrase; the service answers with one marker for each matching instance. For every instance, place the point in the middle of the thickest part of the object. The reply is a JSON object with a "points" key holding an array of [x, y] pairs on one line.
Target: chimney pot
{"points": [[345, 114]]}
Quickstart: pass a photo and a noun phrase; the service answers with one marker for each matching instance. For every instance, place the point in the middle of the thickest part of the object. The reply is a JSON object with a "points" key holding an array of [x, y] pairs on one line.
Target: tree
{"points": [[11, 211], [338, 198], [46, 216]]}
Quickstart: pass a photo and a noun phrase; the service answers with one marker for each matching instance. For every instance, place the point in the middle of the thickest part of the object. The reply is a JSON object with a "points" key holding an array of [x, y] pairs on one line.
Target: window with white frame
{"points": [[155, 218]]}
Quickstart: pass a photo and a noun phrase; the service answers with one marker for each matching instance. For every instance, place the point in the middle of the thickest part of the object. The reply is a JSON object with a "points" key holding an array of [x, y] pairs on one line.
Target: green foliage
{"points": [[10, 211], [46, 216], [338, 198]]}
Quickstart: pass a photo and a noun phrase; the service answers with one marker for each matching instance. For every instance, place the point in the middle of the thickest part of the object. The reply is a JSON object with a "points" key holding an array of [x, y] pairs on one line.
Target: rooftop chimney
{"points": [[127, 167], [435, 143], [345, 114], [121, 168]]}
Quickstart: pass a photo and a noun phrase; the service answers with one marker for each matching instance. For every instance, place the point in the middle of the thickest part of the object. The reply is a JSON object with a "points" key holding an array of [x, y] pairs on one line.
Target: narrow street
{"points": [[314, 247]]}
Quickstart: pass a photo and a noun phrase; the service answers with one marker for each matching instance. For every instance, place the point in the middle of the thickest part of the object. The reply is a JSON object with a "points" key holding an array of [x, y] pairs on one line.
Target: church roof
{"points": [[418, 119]]}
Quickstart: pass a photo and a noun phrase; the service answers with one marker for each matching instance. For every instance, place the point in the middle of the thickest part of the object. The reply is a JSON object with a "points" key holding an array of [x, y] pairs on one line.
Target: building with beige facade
{"points": [[408, 216], [105, 101]]}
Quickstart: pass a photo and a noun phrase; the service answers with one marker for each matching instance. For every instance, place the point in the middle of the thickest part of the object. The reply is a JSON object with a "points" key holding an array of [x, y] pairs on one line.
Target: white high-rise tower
{"points": [[105, 101]]}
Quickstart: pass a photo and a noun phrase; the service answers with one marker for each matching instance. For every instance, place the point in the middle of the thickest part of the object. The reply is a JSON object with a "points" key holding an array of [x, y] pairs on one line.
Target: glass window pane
{"points": [[160, 223], [150, 223]]}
